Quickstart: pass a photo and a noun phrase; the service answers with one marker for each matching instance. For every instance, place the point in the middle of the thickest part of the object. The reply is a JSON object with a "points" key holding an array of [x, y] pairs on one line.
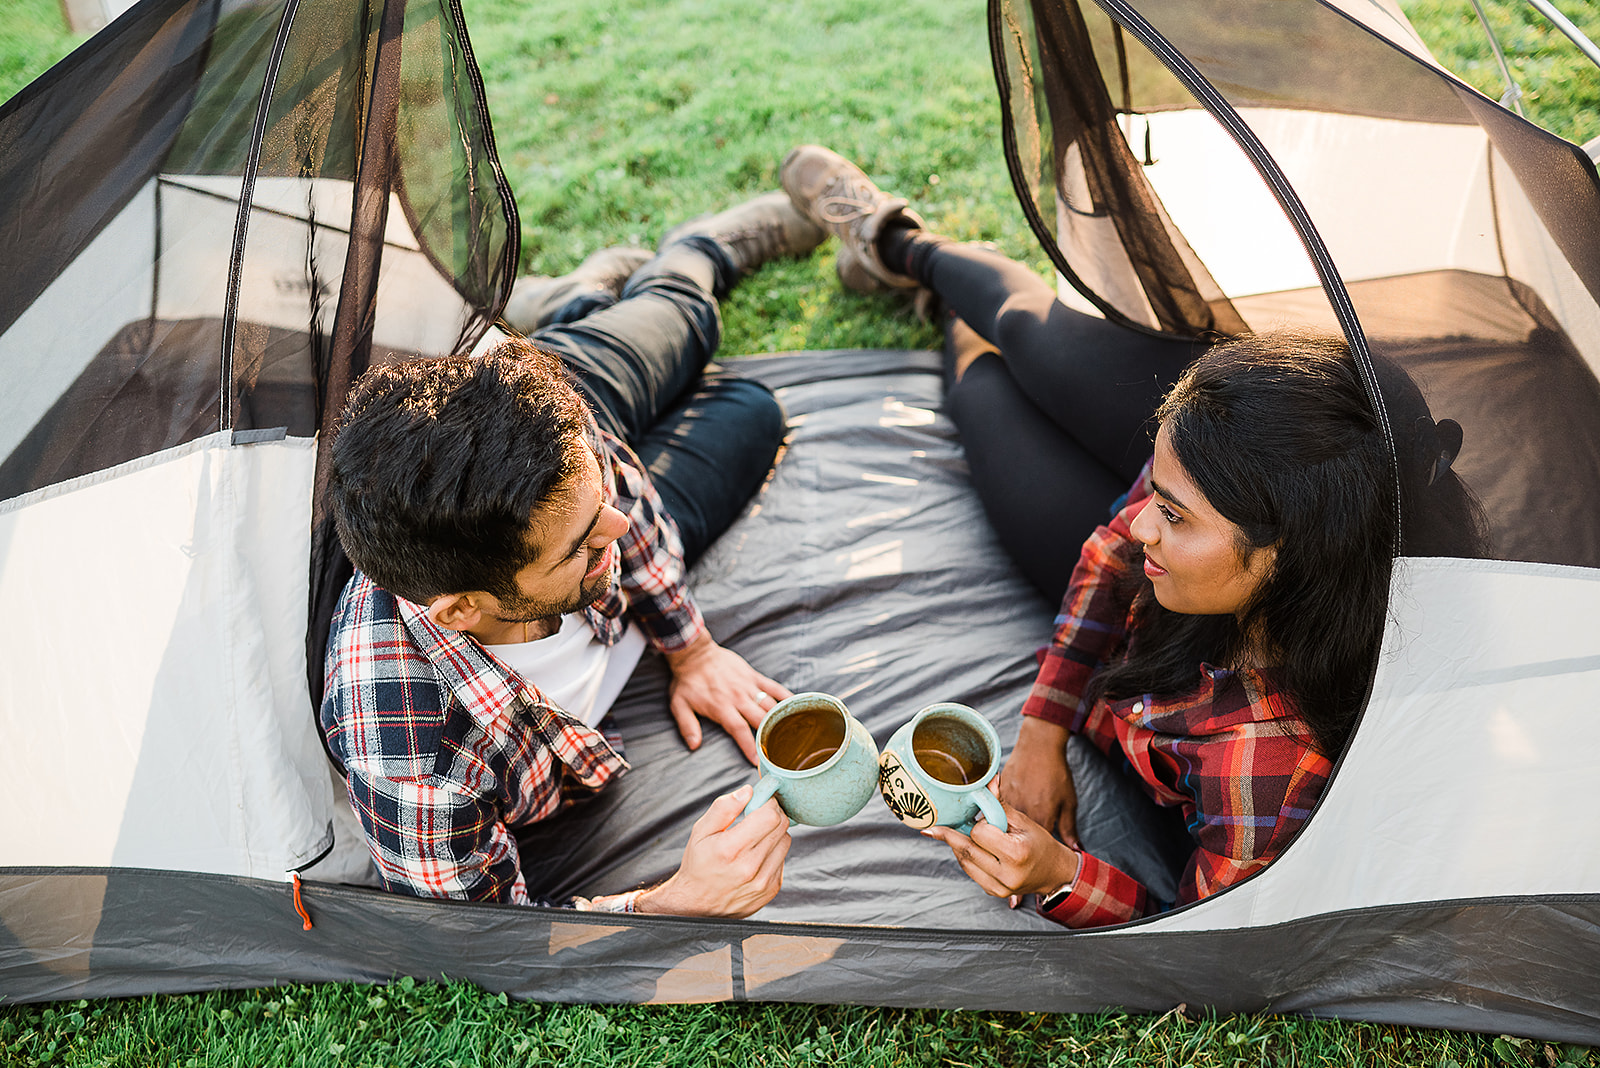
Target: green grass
{"points": [[33, 35], [455, 1026], [716, 91], [616, 120], [1561, 88]]}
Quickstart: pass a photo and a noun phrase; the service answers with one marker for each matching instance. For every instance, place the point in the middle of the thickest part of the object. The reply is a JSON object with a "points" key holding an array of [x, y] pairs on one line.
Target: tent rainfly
{"points": [[218, 212]]}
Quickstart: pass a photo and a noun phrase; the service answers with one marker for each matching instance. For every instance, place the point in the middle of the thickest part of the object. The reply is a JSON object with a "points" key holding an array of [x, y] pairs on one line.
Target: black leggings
{"points": [[1056, 423]]}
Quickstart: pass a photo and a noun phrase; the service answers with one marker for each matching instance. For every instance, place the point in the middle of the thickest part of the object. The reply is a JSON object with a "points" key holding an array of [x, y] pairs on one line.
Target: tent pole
{"points": [[1512, 97], [1566, 26], [241, 226]]}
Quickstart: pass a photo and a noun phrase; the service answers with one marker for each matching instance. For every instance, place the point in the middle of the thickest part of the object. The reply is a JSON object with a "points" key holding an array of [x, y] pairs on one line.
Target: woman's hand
{"points": [[1022, 860], [1036, 779]]}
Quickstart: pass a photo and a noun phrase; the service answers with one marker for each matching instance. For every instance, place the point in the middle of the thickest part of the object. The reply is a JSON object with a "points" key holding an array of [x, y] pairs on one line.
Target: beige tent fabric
{"points": [[155, 683], [1471, 774]]}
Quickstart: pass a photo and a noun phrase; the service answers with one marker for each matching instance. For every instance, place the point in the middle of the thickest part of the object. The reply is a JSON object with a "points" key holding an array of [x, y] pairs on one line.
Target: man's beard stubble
{"points": [[527, 610]]}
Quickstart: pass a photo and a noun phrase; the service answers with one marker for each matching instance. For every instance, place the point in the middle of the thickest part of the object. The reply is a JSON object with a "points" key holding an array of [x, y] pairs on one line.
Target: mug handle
{"points": [[989, 805], [766, 786]]}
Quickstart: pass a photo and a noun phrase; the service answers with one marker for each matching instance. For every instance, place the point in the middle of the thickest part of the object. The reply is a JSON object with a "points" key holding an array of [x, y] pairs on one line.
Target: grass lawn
{"points": [[614, 121], [33, 35]]}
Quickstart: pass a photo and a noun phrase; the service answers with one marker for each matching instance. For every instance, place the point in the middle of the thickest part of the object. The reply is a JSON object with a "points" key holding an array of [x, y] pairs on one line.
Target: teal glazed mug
{"points": [[936, 769], [816, 759]]}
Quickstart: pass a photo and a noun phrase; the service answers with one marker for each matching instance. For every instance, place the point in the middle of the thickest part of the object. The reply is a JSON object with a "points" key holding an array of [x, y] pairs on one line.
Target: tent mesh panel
{"points": [[121, 172], [1463, 235]]}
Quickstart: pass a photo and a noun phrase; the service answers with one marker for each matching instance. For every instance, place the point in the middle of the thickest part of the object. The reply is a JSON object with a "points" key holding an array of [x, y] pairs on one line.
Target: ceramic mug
{"points": [[936, 769], [816, 759]]}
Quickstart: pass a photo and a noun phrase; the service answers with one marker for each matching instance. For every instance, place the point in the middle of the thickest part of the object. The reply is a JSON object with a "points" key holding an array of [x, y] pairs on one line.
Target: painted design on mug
{"points": [[902, 794]]}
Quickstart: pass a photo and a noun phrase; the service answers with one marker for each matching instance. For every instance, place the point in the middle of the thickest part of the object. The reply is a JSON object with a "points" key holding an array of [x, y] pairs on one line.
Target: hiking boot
{"points": [[595, 284], [838, 196], [754, 232]]}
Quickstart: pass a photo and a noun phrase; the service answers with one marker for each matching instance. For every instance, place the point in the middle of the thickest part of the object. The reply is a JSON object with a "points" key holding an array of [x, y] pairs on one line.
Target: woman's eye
{"points": [[1168, 514]]}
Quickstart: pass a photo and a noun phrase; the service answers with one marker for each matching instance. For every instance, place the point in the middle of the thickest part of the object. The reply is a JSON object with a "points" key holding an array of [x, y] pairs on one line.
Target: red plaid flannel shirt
{"points": [[445, 748], [1232, 752]]}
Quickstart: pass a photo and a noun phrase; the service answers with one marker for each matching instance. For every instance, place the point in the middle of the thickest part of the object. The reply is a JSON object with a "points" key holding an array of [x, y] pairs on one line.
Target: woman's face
{"points": [[1191, 553]]}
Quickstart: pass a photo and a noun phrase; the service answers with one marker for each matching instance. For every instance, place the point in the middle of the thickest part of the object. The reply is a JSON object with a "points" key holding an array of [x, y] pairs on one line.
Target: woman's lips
{"points": [[603, 563], [1153, 569]]}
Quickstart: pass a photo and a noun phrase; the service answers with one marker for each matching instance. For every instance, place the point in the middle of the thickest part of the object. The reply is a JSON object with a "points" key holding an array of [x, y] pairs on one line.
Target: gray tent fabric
{"points": [[1444, 964]]}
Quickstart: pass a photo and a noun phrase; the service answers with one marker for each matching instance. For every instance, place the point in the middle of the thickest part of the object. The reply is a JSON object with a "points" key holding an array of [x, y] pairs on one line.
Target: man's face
{"points": [[574, 537]]}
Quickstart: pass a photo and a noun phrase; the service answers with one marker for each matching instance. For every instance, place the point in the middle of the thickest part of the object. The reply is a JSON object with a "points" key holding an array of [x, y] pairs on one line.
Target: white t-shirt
{"points": [[573, 669]]}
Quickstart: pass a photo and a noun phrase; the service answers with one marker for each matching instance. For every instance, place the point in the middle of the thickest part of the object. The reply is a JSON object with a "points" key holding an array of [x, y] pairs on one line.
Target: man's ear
{"points": [[455, 611]]}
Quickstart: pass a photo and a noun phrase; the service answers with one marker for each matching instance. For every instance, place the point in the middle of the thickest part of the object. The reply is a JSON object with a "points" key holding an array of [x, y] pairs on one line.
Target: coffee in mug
{"points": [[950, 749], [936, 769], [816, 759], [805, 739]]}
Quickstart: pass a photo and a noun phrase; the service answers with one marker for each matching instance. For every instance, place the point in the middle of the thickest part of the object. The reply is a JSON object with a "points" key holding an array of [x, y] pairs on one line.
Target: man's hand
{"points": [[715, 683], [1037, 781], [727, 870], [1022, 860]]}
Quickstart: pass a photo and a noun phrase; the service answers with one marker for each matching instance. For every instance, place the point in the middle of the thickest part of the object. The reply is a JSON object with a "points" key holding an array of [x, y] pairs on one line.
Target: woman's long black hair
{"points": [[1277, 432]]}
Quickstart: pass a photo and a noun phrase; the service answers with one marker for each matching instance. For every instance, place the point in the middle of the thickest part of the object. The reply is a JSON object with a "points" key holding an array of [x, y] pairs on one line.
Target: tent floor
{"points": [[865, 568]]}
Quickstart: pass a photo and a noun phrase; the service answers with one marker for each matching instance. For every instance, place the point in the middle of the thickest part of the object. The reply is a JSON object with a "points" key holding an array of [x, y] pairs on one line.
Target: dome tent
{"points": [[1375, 920]]}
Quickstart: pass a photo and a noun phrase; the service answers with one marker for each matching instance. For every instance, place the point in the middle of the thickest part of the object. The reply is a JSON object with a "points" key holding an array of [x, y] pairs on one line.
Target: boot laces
{"points": [[847, 199]]}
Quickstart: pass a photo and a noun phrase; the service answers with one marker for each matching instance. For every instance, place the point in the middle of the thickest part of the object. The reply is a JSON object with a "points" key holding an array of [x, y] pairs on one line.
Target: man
{"points": [[518, 545]]}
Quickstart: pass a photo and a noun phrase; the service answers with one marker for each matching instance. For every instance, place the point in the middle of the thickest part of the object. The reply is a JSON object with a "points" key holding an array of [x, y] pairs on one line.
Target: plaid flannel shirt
{"points": [[445, 749], [1232, 753]]}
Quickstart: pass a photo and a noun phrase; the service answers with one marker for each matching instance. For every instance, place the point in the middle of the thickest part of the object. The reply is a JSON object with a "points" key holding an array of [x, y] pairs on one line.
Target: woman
{"points": [[1218, 634]]}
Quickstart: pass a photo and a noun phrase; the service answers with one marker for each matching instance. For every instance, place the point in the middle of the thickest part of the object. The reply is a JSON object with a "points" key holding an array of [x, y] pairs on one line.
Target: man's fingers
{"points": [[774, 841], [718, 684], [753, 708], [753, 853], [765, 695], [688, 722], [723, 811], [745, 738], [771, 873], [765, 880], [766, 822], [730, 867], [775, 690]]}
